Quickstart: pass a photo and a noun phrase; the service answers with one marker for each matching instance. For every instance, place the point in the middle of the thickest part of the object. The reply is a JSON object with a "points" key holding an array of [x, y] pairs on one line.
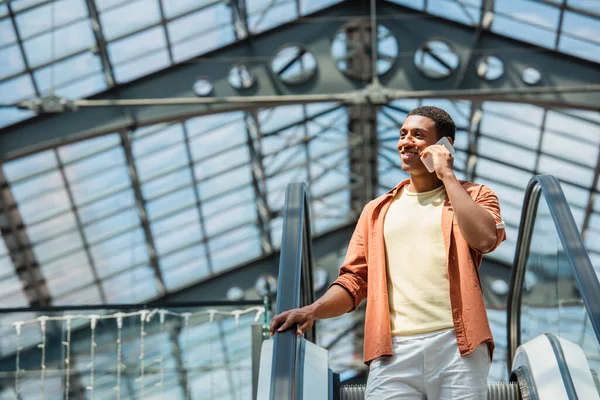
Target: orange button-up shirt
{"points": [[363, 274]]}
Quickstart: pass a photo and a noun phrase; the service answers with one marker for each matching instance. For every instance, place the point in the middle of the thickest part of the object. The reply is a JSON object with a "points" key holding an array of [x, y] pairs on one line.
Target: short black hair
{"points": [[444, 124]]}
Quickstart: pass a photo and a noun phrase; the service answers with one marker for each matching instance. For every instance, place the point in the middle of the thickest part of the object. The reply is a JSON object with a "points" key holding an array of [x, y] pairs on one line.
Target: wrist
{"points": [[312, 308], [447, 176]]}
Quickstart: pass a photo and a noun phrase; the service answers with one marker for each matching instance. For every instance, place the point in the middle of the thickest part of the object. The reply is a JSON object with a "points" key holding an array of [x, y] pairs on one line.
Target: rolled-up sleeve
{"points": [[488, 200], [353, 273]]}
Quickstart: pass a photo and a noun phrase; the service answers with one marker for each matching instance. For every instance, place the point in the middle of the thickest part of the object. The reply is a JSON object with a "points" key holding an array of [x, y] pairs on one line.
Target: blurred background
{"points": [[146, 145]]}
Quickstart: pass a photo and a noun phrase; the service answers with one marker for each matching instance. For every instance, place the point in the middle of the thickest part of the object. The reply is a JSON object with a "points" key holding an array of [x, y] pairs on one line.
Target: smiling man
{"points": [[414, 256]]}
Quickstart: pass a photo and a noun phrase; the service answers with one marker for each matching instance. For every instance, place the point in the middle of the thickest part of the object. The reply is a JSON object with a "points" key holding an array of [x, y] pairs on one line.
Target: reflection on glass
{"points": [[551, 301], [142, 353]]}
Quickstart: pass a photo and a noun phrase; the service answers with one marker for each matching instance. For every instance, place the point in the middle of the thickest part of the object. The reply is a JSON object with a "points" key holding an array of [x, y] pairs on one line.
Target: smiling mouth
{"points": [[409, 152]]}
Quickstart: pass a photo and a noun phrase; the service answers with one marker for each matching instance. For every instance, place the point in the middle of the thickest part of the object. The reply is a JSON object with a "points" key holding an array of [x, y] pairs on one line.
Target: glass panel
{"points": [[70, 70], [16, 89], [551, 301], [136, 45], [132, 16], [68, 40], [12, 62], [142, 66], [50, 15], [7, 33]]}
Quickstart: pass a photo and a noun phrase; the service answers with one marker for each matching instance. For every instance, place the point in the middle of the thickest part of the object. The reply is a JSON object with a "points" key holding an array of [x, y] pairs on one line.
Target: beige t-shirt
{"points": [[418, 286]]}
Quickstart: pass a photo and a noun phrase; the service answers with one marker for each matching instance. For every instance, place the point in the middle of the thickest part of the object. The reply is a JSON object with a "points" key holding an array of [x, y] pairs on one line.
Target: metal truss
{"points": [[143, 214], [168, 95]]}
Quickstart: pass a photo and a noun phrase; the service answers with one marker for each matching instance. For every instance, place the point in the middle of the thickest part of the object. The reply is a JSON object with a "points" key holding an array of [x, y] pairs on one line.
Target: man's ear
{"points": [[450, 140]]}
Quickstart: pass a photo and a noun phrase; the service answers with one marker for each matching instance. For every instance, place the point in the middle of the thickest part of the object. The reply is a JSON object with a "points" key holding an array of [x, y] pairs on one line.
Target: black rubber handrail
{"points": [[574, 248], [294, 289]]}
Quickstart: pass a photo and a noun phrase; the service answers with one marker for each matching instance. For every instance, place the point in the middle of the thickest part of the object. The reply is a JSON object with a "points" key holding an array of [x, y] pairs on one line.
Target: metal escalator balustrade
{"points": [[558, 316], [556, 319], [295, 288]]}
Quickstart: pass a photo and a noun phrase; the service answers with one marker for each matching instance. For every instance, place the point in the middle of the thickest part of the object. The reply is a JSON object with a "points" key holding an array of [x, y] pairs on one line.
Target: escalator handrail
{"points": [[294, 288], [574, 248]]}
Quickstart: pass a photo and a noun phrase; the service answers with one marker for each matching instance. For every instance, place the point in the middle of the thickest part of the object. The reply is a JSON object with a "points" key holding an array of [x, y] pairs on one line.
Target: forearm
{"points": [[335, 302], [476, 224]]}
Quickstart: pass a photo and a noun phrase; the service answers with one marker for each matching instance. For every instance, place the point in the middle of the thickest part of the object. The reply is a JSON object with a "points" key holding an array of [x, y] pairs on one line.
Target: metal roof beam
{"points": [[313, 34]]}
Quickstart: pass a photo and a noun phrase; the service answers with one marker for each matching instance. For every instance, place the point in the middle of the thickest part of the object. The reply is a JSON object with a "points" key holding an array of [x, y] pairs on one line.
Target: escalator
{"points": [[553, 310]]}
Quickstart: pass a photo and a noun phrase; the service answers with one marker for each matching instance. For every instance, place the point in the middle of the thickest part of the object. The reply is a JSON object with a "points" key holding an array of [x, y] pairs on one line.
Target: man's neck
{"points": [[424, 183]]}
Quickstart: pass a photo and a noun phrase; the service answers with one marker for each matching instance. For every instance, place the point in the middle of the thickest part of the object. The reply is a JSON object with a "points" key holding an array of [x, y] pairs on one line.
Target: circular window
{"points": [[352, 50], [490, 68], [203, 87], [235, 294], [531, 76], [436, 59], [294, 65], [240, 77]]}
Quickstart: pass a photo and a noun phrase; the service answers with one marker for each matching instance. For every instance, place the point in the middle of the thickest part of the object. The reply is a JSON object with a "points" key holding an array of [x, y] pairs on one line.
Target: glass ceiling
{"points": [[127, 217], [158, 208]]}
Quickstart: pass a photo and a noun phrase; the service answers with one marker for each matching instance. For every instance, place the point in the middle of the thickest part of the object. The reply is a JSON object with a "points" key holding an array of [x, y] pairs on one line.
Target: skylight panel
{"points": [[169, 202], [561, 146], [216, 205], [273, 14], [139, 44], [67, 71], [174, 8], [52, 227], [16, 89], [520, 30], [507, 153], [7, 32], [161, 161], [566, 171], [67, 40], [86, 295], [129, 17], [455, 10], [120, 252], [185, 235], [103, 5], [132, 286], [230, 217], [215, 165], [235, 247], [67, 274], [203, 43], [146, 143], [167, 183], [89, 188], [199, 22], [49, 16], [225, 182], [219, 139], [10, 116], [142, 66], [23, 4], [510, 175]]}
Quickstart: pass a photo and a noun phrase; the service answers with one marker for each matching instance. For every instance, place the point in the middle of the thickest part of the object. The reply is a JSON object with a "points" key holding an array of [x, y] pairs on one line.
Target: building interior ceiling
{"points": [[155, 201]]}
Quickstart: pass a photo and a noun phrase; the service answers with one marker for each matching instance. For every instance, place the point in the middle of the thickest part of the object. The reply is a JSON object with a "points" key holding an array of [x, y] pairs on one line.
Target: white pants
{"points": [[429, 366]]}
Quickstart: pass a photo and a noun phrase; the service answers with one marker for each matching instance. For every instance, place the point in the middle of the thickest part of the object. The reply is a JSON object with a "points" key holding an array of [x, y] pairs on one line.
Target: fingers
{"points": [[304, 327], [277, 320], [291, 320]]}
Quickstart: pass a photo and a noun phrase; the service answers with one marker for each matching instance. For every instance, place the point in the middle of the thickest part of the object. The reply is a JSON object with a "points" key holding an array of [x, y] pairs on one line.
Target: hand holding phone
{"points": [[428, 161]]}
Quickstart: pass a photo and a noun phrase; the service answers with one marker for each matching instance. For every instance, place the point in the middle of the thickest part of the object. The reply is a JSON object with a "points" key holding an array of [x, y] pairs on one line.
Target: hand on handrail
{"points": [[302, 317]]}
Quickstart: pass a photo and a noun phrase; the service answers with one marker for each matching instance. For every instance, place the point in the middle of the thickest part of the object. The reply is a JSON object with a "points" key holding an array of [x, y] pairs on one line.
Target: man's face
{"points": [[415, 135]]}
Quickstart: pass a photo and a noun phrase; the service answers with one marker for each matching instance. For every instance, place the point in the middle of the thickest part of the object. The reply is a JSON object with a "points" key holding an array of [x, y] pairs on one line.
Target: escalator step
{"points": [[496, 391], [353, 392], [503, 391]]}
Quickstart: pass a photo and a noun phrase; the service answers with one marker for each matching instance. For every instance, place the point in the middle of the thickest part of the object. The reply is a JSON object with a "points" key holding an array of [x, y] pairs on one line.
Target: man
{"points": [[414, 256]]}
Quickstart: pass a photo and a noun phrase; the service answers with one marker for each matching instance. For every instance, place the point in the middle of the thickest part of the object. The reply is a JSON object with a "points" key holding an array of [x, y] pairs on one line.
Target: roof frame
{"points": [[177, 81]]}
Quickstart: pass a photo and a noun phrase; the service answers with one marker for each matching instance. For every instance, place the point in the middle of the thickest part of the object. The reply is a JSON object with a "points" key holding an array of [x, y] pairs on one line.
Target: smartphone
{"points": [[428, 161]]}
